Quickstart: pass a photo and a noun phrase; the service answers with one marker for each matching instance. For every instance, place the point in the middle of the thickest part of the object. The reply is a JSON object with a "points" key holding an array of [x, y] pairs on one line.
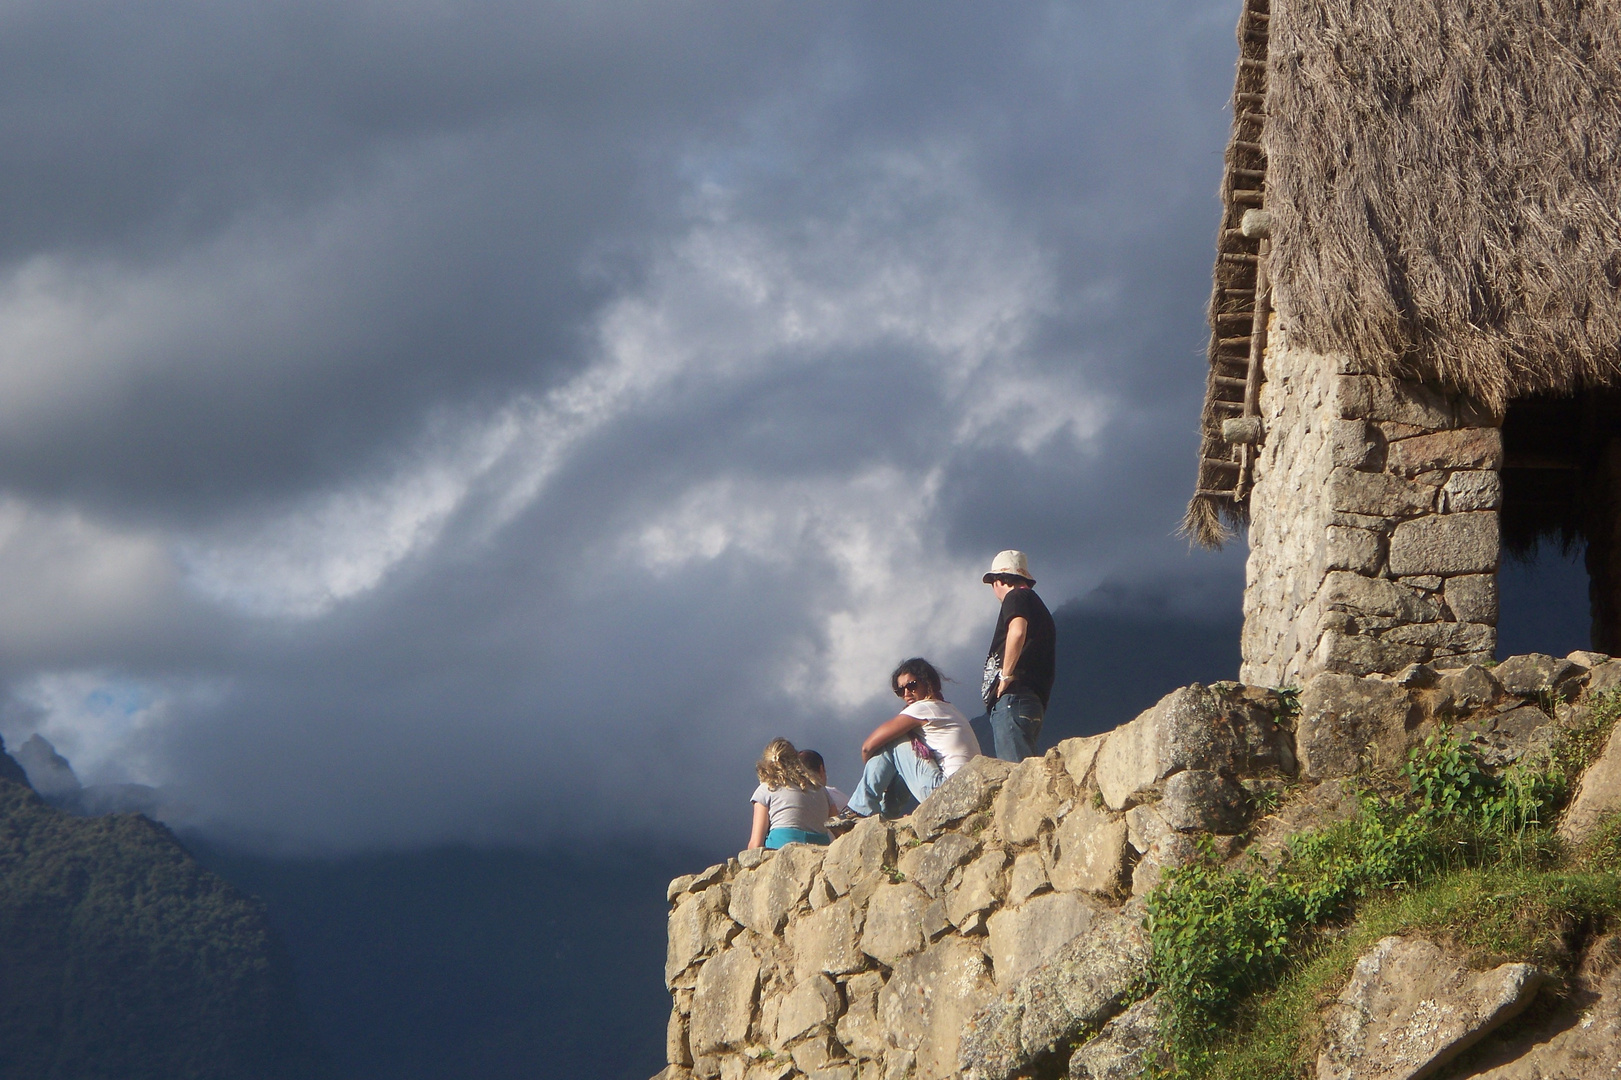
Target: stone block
{"points": [[1535, 673], [1358, 550], [1027, 800], [1195, 727], [762, 898], [1460, 692], [1598, 794], [928, 865], [723, 1002], [894, 926], [1345, 591], [1446, 638], [1462, 448], [1352, 444], [677, 1047], [928, 1000], [1506, 736], [1028, 877], [1378, 495], [1144, 825], [1446, 544], [1073, 993], [1472, 598], [828, 940], [1345, 721], [1078, 756], [1023, 937], [1198, 800], [1604, 679], [1169, 851], [812, 1004], [1362, 654], [1089, 852], [935, 922], [1127, 1048], [1411, 1007], [858, 1029], [1393, 400], [967, 791], [1464, 491], [697, 927], [814, 1054], [983, 884], [859, 853]]}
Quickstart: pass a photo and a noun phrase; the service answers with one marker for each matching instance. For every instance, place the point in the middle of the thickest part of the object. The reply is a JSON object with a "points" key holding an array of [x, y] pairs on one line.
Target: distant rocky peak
{"points": [[48, 771]]}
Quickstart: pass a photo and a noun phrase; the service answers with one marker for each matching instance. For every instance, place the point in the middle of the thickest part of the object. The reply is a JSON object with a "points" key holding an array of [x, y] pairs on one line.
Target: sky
{"points": [[427, 423]]}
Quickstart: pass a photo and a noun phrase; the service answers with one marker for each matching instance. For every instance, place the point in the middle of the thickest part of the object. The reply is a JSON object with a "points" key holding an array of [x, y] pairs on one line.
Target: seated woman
{"points": [[790, 805], [911, 755]]}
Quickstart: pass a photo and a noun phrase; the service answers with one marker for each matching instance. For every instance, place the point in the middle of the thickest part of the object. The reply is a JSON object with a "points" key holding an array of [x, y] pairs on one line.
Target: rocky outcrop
{"points": [[1411, 1007], [998, 931]]}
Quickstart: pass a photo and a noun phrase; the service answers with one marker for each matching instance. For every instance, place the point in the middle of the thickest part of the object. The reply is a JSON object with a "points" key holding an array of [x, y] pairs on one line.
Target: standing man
{"points": [[1019, 669]]}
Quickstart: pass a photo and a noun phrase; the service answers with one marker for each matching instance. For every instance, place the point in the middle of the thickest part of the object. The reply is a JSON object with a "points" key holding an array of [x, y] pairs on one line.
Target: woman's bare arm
{"points": [[762, 825], [888, 733]]}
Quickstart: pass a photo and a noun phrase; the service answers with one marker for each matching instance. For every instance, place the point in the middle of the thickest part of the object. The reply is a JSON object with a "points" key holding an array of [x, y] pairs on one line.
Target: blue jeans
{"points": [[892, 778], [1015, 722]]}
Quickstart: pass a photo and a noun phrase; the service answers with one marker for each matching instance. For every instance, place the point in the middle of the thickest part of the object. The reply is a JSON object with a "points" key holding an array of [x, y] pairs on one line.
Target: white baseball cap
{"points": [[1010, 562]]}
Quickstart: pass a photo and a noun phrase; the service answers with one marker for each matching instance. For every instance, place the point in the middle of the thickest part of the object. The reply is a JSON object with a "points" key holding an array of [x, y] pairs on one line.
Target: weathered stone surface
{"points": [[828, 940], [1167, 852], [1358, 654], [1029, 876], [1587, 1049], [1410, 1007], [723, 1001], [1604, 678], [1198, 800], [1192, 728], [1472, 597], [1535, 673], [678, 886], [859, 853], [1025, 936], [1466, 689], [1352, 443], [698, 925], [754, 857], [1072, 993], [928, 1000], [1471, 491], [1504, 737], [1358, 550], [1446, 637], [970, 789], [928, 865], [1027, 800], [1463, 448], [858, 1029], [1125, 1049], [812, 1004], [1445, 544], [894, 927], [762, 898], [983, 884], [1393, 400], [818, 1052], [1144, 825], [1089, 850], [1078, 755], [1345, 591], [1345, 721], [1599, 794], [1377, 494], [677, 1047]]}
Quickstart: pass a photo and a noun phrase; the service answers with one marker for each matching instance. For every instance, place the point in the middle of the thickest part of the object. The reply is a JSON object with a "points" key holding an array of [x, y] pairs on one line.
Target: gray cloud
{"points": [[418, 423]]}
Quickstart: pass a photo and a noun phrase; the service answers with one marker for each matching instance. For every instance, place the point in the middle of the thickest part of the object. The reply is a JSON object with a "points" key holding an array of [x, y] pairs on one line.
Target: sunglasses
{"points": [[902, 688]]}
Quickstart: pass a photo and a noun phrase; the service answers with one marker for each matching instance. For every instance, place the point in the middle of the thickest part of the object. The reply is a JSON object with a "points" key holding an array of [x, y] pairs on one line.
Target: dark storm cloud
{"points": [[428, 422]]}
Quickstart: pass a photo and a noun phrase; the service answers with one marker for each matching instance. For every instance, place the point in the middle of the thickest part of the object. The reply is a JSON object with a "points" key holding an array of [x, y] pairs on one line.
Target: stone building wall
{"points": [[1373, 524]]}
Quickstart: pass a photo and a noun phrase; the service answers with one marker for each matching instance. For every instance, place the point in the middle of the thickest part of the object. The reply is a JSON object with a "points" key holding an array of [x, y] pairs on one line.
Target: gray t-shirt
{"points": [[791, 808]]}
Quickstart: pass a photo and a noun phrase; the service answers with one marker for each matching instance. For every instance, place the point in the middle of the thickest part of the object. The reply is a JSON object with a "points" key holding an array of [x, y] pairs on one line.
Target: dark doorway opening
{"points": [[1561, 511]]}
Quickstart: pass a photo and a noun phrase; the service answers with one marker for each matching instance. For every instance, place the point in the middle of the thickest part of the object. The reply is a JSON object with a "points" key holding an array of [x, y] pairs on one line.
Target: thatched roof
{"points": [[1445, 185], [1444, 181]]}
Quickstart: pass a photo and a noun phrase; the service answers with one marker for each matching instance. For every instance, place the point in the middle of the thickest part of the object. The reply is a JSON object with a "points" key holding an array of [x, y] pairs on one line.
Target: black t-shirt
{"points": [[1034, 672]]}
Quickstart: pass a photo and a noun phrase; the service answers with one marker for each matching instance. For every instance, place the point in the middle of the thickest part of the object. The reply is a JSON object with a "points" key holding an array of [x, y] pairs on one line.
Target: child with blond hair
{"points": [[791, 805]]}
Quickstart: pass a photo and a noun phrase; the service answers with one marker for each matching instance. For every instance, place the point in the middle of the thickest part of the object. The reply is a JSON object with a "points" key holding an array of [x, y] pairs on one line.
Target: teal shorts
{"points": [[778, 837]]}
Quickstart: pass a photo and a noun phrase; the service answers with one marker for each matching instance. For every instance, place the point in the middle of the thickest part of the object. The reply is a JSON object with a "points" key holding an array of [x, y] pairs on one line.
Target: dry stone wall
{"points": [[997, 932], [1373, 524]]}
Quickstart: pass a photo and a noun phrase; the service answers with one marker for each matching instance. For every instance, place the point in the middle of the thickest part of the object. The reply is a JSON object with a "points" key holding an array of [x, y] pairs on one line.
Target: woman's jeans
{"points": [[1015, 722], [892, 779]]}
